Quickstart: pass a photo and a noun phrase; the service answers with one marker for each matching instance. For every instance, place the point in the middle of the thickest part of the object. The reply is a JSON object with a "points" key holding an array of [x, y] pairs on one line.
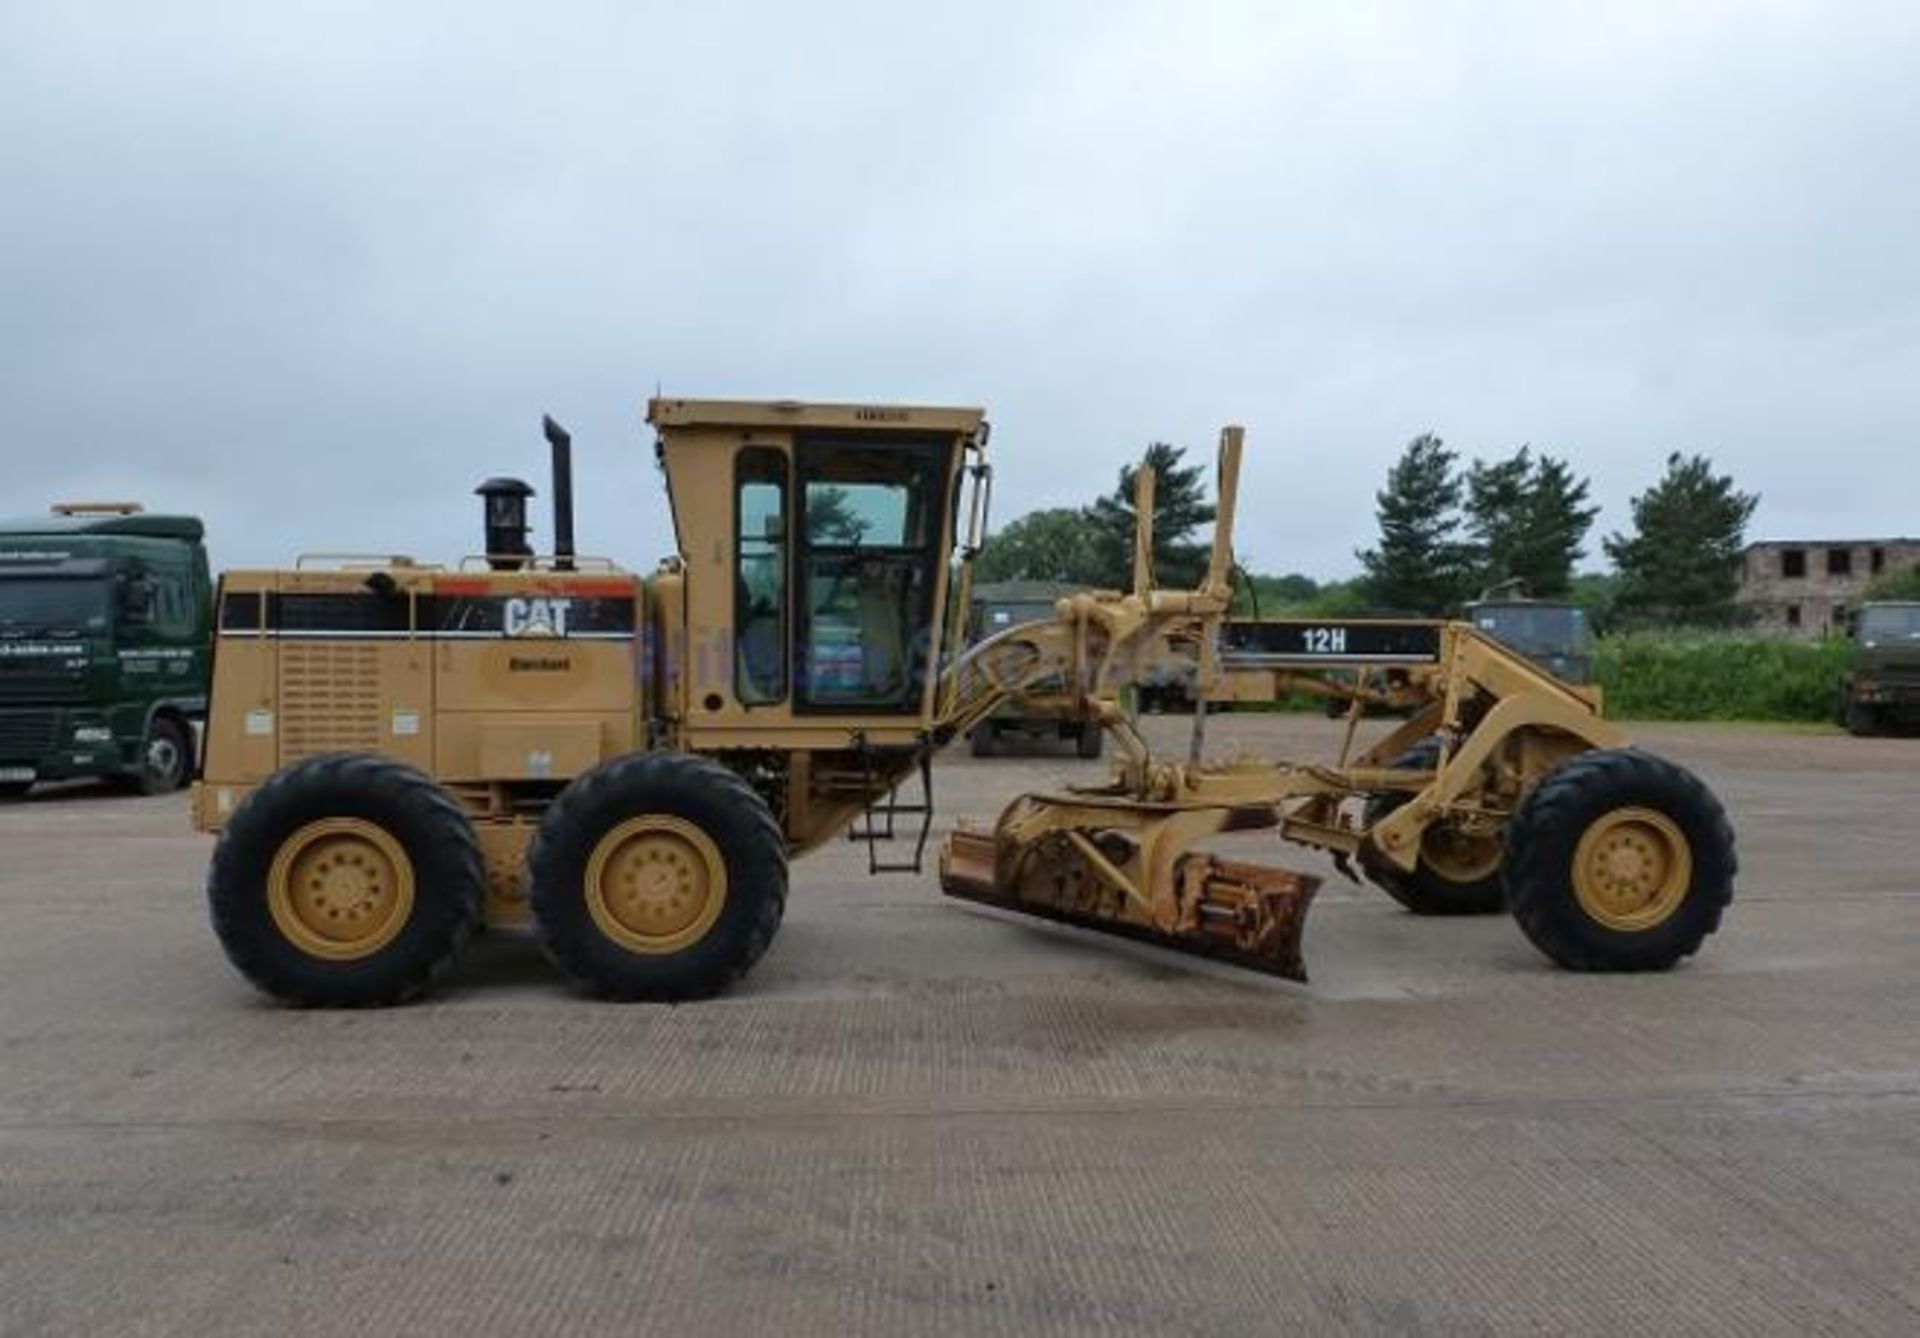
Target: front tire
{"points": [[166, 757], [658, 876], [1863, 721], [346, 881], [1619, 861], [1455, 875]]}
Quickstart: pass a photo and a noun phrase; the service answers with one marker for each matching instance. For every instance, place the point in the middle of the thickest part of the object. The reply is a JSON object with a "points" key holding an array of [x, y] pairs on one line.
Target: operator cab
{"points": [[827, 597]]}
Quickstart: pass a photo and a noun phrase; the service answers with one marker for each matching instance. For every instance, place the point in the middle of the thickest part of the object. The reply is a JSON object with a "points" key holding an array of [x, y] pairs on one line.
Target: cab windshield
{"points": [[44, 605], [1890, 623], [996, 618], [1535, 629]]}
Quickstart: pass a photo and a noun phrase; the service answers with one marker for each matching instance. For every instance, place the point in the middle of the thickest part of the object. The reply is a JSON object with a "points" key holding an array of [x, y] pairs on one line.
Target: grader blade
{"points": [[1245, 915]]}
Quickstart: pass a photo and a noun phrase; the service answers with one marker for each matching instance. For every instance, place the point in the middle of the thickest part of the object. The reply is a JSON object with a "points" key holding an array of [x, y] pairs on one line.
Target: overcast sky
{"points": [[312, 271]]}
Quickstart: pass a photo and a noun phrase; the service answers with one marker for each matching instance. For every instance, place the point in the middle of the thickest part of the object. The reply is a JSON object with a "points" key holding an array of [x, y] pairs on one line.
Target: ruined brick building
{"points": [[1806, 586]]}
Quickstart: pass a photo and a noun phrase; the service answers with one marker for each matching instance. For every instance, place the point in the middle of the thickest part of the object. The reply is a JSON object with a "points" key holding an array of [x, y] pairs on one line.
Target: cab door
{"points": [[869, 517]]}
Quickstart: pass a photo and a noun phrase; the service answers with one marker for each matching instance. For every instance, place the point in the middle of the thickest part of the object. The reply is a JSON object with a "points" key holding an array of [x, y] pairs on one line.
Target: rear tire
{"points": [[658, 876], [1091, 742], [346, 881], [1451, 882], [1619, 861]]}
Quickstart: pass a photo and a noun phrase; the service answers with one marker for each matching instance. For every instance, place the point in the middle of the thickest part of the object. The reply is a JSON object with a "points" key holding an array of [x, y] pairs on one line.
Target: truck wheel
{"points": [[1091, 742], [658, 876], [1619, 861], [1457, 874], [346, 881], [980, 740], [14, 789], [1863, 721], [166, 758]]}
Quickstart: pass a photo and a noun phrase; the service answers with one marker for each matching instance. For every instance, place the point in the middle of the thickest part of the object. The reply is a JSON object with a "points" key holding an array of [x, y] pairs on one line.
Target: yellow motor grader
{"points": [[400, 752]]}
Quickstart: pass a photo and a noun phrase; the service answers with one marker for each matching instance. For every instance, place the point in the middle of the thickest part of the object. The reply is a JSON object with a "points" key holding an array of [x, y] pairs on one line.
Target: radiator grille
{"points": [[26, 735], [329, 698]]}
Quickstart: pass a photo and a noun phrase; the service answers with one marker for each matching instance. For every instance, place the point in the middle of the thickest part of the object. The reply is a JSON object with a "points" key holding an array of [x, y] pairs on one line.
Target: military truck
{"points": [[1882, 686], [105, 636], [1552, 633], [998, 606]]}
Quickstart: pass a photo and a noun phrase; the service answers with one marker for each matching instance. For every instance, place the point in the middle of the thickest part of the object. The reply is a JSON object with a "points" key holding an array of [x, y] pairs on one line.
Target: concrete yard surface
{"points": [[919, 1116]]}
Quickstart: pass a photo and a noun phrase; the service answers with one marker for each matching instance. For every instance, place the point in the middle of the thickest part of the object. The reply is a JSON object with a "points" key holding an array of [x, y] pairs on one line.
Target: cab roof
{"points": [[672, 413], [138, 525]]}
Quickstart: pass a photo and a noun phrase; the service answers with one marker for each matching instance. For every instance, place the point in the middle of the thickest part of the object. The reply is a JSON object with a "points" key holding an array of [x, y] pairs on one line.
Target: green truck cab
{"points": [[105, 642], [1881, 688], [1553, 634]]}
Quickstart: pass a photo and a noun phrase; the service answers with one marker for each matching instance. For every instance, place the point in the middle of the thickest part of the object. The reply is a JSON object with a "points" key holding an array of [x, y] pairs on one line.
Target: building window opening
{"points": [[1793, 564], [1877, 560], [1839, 562], [1793, 615]]}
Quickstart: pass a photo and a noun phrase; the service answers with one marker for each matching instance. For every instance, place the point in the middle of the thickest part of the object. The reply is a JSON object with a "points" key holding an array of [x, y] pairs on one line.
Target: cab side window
{"points": [[760, 576], [172, 601]]}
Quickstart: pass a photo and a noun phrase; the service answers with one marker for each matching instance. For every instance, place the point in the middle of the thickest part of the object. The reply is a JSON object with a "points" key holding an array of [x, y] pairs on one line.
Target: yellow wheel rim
{"points": [[1458, 857], [656, 884], [340, 889], [1632, 869]]}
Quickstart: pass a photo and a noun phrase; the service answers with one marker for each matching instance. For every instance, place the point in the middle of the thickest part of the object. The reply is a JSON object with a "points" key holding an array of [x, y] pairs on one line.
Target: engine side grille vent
{"points": [[329, 698]]}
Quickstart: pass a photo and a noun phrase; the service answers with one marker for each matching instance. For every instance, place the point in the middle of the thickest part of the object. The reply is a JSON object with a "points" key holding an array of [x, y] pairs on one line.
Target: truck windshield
{"points": [[999, 617], [1891, 623], [39, 604], [1535, 629]]}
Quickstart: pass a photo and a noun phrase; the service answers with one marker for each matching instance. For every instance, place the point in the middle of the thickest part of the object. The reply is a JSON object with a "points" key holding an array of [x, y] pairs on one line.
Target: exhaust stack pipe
{"points": [[562, 443]]}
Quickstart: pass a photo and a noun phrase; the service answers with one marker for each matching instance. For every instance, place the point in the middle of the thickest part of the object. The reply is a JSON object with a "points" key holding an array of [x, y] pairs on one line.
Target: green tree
{"points": [[1596, 592], [1681, 565], [1420, 565], [1895, 585], [1497, 505], [1179, 508], [1049, 545], [1558, 518], [1529, 518], [1272, 594], [1338, 599]]}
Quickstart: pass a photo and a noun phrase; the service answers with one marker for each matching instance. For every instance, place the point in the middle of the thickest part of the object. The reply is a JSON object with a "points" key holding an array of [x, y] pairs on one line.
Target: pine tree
{"points": [[1498, 510], [1529, 518], [1420, 565], [1681, 566], [1558, 519], [1179, 508]]}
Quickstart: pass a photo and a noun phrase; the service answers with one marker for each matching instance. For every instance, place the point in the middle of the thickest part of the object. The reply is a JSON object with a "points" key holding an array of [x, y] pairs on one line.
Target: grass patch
{"points": [[1720, 676]]}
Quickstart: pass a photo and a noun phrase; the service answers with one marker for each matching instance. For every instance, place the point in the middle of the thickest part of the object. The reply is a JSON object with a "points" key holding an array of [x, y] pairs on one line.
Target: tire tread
{"points": [[1551, 805], [673, 771], [450, 837]]}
